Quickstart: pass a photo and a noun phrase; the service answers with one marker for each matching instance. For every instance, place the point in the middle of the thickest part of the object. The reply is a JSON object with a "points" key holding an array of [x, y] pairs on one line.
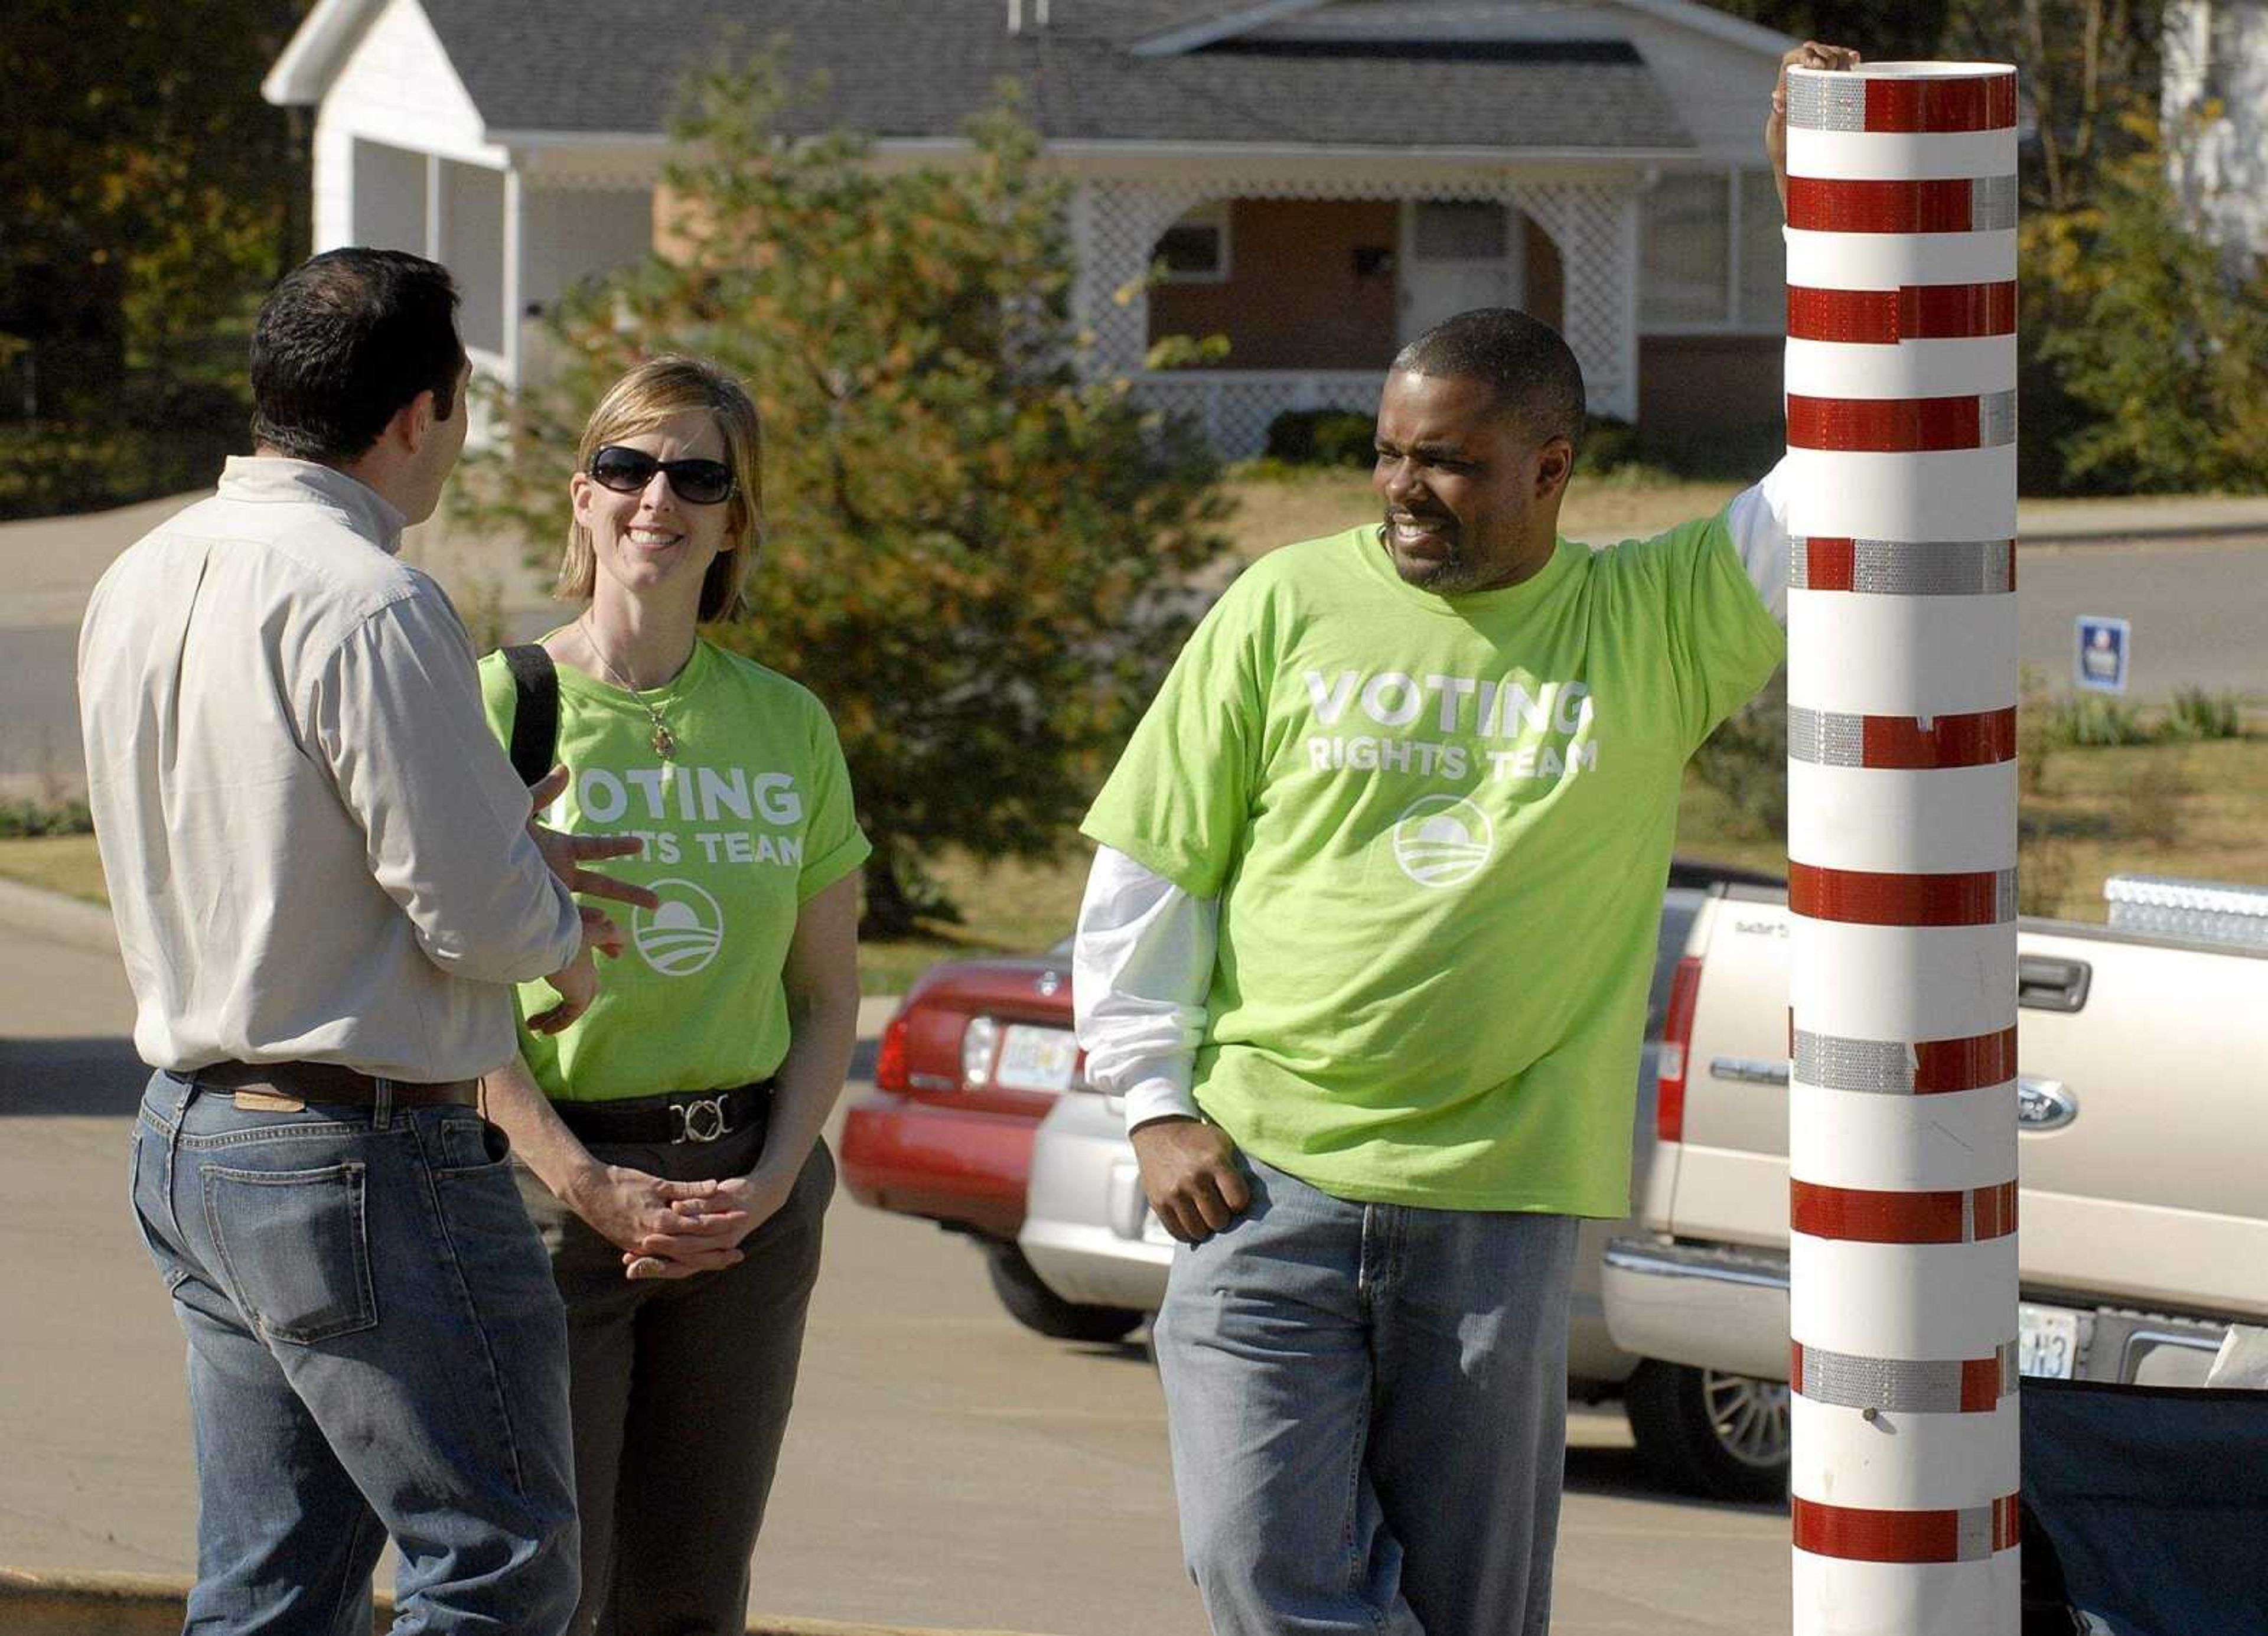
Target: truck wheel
{"points": [[1720, 1436], [1040, 1309]]}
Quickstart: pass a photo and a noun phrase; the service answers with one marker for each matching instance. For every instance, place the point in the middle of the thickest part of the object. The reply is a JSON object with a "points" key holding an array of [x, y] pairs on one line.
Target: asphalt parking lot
{"points": [[944, 1468]]}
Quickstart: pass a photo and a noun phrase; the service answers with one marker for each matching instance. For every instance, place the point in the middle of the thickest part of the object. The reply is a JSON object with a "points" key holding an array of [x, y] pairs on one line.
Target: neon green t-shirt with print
{"points": [[749, 821], [1439, 829]]}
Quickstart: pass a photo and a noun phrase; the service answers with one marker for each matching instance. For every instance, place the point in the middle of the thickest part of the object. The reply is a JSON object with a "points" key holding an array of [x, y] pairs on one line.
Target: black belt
{"points": [[681, 1117], [333, 1082]]}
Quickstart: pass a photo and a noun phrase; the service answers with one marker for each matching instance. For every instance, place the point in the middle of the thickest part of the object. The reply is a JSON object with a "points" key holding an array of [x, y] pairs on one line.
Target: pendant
{"points": [[665, 743]]}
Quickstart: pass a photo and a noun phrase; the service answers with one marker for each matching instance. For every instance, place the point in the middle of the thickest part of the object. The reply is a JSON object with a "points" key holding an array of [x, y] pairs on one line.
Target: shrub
{"points": [[21, 819], [2196, 714], [2096, 721], [1324, 436]]}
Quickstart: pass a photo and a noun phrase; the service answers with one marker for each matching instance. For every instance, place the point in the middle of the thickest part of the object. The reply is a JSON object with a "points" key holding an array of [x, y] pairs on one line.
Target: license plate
{"points": [[1035, 1059], [2047, 1342]]}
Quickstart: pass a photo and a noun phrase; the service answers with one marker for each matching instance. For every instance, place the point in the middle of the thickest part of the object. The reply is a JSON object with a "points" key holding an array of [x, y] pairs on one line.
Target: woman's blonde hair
{"points": [[657, 391]]}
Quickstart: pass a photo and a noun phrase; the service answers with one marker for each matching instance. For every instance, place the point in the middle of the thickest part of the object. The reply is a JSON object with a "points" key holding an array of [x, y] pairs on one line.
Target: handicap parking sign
{"points": [[2105, 645]]}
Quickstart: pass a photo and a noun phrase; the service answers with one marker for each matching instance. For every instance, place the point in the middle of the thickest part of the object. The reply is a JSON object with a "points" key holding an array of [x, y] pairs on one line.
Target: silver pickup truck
{"points": [[2143, 1155]]}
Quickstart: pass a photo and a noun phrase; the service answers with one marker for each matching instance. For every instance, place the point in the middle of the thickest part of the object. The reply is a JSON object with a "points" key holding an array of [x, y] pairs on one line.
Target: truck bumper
{"points": [[1721, 1308], [1713, 1306]]}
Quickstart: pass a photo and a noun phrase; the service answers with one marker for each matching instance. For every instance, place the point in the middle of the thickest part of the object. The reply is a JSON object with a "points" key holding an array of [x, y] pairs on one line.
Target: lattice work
{"points": [[1595, 226]]}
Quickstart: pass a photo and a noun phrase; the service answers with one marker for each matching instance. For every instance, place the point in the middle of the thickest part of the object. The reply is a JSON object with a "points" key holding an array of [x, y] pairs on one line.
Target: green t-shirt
{"points": [[750, 822], [1439, 829]]}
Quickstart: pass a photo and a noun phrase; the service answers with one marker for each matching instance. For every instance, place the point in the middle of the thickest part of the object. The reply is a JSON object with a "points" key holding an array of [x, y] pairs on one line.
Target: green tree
{"points": [[2167, 354], [145, 188], [975, 556]]}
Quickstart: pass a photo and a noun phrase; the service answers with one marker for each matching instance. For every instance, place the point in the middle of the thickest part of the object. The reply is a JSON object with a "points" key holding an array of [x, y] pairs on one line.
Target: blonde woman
{"points": [[674, 1127]]}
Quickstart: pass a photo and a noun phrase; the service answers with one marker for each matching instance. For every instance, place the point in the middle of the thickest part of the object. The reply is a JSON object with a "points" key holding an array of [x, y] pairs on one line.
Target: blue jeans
{"points": [[375, 1347], [1367, 1408]]}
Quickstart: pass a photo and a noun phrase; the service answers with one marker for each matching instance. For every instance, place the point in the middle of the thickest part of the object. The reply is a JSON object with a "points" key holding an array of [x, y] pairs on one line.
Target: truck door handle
{"points": [[2044, 983]]}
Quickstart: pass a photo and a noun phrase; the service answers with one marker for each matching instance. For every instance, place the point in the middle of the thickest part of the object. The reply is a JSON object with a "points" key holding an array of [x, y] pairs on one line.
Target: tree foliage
{"points": [[975, 556], [147, 187], [2170, 347]]}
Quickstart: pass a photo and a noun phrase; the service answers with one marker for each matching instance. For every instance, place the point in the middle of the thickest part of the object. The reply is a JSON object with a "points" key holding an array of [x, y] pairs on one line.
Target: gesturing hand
{"points": [[1190, 1176], [565, 853]]}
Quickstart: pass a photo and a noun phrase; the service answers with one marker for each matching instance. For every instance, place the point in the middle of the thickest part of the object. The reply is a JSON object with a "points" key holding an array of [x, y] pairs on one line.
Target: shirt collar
{"points": [[272, 479]]}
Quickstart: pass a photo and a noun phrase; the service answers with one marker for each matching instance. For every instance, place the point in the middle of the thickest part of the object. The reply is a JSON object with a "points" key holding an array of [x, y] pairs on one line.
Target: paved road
{"points": [[2199, 619], [944, 1468]]}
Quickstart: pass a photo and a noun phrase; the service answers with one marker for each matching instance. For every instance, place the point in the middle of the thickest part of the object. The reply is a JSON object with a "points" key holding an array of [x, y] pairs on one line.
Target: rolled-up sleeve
{"points": [[1141, 969], [397, 716]]}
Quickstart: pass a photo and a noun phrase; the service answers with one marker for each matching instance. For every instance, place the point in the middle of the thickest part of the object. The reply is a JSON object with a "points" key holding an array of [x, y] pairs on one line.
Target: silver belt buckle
{"points": [[700, 1120]]}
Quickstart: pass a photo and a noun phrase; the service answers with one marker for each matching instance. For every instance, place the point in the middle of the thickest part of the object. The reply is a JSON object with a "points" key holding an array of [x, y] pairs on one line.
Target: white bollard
{"points": [[1902, 848]]}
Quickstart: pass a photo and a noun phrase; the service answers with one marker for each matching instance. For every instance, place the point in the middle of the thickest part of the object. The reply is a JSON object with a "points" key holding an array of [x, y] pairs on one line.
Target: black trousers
{"points": [[680, 1390]]}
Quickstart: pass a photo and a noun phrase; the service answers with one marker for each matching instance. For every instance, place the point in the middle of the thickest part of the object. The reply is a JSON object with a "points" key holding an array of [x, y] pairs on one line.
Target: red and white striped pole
{"points": [[1902, 848]]}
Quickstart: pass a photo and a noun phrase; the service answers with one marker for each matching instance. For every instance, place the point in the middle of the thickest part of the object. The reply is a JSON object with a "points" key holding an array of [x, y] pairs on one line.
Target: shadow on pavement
{"points": [[96, 1077], [1620, 1474]]}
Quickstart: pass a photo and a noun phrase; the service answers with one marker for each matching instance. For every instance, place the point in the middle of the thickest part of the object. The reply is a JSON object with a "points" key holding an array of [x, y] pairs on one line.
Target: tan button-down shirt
{"points": [[315, 846]]}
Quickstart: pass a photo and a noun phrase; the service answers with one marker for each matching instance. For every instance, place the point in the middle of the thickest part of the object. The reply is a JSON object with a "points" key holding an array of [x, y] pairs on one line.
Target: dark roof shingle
{"points": [[922, 68]]}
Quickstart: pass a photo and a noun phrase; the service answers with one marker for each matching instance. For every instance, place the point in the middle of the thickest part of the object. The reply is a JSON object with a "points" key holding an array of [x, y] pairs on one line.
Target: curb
{"points": [[133, 1604], [56, 916]]}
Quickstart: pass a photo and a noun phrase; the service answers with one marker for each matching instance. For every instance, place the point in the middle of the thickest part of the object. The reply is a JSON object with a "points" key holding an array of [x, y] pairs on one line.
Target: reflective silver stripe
{"points": [[2005, 896], [1973, 1533], [1826, 738], [1925, 568], [1826, 102], [1832, 1063], [1991, 205], [1996, 419], [1899, 1384]]}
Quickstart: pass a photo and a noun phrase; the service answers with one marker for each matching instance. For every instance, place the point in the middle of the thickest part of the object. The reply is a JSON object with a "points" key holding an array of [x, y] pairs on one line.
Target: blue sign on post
{"points": [[2105, 647]]}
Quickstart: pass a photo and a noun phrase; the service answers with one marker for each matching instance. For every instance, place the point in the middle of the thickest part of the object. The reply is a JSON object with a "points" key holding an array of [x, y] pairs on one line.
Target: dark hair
{"points": [[1521, 358], [347, 339]]}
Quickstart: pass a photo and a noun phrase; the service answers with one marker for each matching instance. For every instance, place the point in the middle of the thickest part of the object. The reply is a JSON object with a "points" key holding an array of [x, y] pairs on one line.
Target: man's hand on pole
{"points": [[1190, 1176], [1810, 53]]}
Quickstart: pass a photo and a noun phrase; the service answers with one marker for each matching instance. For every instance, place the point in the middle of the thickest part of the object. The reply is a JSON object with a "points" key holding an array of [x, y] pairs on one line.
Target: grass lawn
{"points": [[1273, 510]]}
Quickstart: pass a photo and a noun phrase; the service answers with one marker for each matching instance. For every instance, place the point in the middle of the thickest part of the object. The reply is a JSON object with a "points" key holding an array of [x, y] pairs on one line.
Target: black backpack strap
{"points": [[535, 718]]}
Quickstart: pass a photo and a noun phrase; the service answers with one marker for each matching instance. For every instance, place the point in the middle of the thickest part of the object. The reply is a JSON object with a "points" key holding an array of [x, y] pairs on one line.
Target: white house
{"points": [[1322, 178], [2214, 107]]}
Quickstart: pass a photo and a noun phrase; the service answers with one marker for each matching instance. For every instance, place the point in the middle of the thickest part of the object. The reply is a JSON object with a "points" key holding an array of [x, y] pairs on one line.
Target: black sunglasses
{"points": [[628, 471]]}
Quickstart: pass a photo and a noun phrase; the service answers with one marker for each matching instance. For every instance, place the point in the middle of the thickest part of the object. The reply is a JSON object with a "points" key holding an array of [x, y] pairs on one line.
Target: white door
{"points": [[1458, 254]]}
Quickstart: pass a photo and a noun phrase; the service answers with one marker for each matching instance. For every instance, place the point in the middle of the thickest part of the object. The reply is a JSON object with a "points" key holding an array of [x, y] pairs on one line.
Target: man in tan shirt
{"points": [[325, 882]]}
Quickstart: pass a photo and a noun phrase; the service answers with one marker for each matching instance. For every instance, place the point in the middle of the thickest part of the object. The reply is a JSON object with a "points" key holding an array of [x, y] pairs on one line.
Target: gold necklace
{"points": [[664, 741]]}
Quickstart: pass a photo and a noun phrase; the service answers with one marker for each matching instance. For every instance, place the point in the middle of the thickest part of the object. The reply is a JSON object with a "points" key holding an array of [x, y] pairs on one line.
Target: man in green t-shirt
{"points": [[1365, 951]]}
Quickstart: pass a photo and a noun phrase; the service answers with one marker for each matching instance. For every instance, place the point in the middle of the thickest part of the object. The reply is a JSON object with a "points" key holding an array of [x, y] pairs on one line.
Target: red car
{"points": [[969, 1065]]}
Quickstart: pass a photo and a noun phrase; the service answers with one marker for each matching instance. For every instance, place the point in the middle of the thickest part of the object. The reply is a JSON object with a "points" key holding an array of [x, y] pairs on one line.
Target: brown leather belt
{"points": [[333, 1082]]}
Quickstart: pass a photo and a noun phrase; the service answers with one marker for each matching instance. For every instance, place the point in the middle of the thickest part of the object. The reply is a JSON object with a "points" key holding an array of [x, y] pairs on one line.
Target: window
{"points": [[2224, 52], [1711, 255], [1764, 254], [1685, 252], [1194, 249]]}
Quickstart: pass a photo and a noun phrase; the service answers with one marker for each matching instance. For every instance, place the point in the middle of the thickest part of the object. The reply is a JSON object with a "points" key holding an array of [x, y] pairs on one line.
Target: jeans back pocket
{"points": [[296, 1245]]}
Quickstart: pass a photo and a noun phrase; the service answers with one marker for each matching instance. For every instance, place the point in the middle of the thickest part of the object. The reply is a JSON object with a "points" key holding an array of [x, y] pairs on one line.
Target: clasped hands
{"points": [[670, 1229]]}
